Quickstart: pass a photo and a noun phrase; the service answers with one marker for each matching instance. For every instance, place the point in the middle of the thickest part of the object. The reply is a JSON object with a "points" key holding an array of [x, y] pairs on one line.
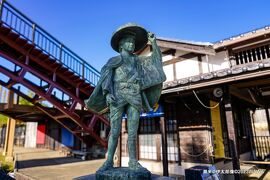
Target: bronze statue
{"points": [[128, 84]]}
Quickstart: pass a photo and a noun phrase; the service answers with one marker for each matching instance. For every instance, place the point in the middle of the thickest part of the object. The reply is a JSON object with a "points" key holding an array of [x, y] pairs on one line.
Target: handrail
{"points": [[34, 34]]}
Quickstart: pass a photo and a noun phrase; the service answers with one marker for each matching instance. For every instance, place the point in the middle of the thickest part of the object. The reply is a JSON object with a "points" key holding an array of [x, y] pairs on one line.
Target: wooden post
{"points": [[231, 132], [163, 130], [10, 131], [1, 94], [119, 151], [268, 118], [158, 145], [200, 63], [119, 146], [207, 62]]}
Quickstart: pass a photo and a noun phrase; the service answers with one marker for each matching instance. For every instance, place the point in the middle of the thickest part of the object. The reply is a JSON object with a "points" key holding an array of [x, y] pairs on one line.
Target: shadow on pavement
{"points": [[47, 162]]}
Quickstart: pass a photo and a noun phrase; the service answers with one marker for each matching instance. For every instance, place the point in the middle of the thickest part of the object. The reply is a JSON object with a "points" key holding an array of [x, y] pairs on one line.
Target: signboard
{"points": [[217, 131], [157, 112]]}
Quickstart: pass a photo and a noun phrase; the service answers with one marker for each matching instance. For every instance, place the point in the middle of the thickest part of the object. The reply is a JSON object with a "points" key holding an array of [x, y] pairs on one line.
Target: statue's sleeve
{"points": [[107, 86], [156, 55], [152, 71]]}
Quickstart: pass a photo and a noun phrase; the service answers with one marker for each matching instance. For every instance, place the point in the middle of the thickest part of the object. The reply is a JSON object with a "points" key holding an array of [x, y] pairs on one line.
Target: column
{"points": [[268, 119], [10, 132], [231, 132], [163, 129]]}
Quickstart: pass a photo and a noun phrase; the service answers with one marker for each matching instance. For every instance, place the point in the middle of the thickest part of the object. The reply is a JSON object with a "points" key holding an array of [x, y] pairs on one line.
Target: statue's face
{"points": [[127, 44]]}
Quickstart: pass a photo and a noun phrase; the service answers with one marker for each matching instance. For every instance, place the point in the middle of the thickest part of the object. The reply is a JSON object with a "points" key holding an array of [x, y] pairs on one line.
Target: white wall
{"points": [[166, 58], [192, 67], [216, 62], [31, 135], [168, 70], [187, 68]]}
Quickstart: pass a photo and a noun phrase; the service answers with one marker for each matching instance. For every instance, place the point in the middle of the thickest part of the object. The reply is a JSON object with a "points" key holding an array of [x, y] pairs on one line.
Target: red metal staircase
{"points": [[51, 71]]}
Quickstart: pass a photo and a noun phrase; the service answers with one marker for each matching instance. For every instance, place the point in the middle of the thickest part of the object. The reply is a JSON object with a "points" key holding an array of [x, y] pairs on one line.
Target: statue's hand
{"points": [[110, 99], [151, 37]]}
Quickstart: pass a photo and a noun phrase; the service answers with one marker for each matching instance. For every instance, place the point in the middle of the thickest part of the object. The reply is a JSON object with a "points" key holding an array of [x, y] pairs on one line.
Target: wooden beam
{"points": [[255, 97], [215, 82], [180, 58], [242, 41], [186, 47], [244, 95], [169, 51], [25, 114], [20, 108], [251, 45]]}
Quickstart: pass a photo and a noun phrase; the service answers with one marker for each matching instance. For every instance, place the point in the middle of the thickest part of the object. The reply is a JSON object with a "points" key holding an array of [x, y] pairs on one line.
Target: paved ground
{"points": [[43, 164]]}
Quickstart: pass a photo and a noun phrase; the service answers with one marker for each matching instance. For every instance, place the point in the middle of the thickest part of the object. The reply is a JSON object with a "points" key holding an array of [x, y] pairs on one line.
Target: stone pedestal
{"points": [[153, 177], [124, 173]]}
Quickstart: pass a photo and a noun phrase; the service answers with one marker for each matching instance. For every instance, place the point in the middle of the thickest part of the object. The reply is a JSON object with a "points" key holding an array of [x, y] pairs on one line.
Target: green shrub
{"points": [[3, 119], [7, 166]]}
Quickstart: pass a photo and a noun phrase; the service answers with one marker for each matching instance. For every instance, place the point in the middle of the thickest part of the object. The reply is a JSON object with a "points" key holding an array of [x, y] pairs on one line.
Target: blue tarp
{"points": [[67, 138]]}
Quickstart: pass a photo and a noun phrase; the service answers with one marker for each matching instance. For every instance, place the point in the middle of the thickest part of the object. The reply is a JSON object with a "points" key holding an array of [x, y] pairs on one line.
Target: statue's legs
{"points": [[115, 122], [133, 116]]}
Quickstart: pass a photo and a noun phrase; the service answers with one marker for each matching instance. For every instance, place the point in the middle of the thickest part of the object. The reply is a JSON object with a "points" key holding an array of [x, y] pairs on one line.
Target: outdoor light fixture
{"points": [[218, 92]]}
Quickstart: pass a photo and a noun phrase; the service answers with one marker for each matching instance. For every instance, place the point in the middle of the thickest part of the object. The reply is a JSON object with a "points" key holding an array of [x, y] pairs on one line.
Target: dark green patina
{"points": [[128, 84]]}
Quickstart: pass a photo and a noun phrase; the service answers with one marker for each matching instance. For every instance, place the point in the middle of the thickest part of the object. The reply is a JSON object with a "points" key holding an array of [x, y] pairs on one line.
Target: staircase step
{"points": [[49, 61], [21, 42], [28, 46], [78, 80], [68, 73], [4, 30], [73, 77], [43, 56], [62, 69], [36, 52], [13, 35], [55, 65]]}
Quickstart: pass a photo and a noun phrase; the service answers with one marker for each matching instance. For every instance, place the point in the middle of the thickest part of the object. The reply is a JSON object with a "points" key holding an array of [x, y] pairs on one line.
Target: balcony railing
{"points": [[252, 55], [34, 34], [262, 146]]}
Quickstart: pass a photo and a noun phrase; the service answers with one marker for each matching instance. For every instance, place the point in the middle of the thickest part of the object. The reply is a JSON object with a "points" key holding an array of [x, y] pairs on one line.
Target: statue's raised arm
{"points": [[152, 71], [156, 53]]}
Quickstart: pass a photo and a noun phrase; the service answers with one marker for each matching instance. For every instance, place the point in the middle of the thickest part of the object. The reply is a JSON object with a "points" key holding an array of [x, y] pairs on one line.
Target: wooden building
{"points": [[211, 98]]}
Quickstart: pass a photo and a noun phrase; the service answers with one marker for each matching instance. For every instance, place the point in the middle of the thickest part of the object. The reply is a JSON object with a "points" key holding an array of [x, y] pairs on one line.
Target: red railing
{"points": [[33, 33]]}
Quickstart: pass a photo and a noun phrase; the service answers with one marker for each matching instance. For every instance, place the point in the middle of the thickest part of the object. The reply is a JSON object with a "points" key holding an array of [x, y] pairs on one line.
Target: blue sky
{"points": [[86, 26]]}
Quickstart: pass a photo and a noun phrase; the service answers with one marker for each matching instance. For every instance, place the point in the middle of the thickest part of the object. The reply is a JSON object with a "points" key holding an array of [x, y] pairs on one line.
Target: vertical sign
{"points": [[217, 130]]}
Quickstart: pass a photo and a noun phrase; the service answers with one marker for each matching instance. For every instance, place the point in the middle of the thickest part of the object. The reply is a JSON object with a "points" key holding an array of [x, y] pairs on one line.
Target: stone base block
{"points": [[124, 173]]}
